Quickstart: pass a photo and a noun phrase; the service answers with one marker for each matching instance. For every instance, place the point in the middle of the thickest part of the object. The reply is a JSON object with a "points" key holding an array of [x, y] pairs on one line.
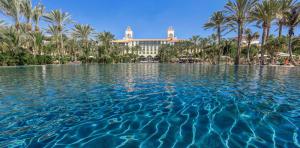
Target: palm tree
{"points": [[26, 8], [274, 45], [195, 40], [59, 19], [12, 8], [83, 32], [292, 20], [73, 47], [53, 31], [203, 43], [284, 6], [264, 13], [227, 46], [239, 12], [37, 14], [217, 22], [36, 39], [105, 39], [249, 36], [13, 39]]}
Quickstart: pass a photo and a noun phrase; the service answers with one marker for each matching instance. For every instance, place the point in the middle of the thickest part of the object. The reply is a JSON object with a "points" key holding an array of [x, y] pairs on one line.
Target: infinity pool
{"points": [[149, 105]]}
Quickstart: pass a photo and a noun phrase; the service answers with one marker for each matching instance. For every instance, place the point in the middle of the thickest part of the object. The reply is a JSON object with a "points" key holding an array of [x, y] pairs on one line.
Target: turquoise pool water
{"points": [[149, 105]]}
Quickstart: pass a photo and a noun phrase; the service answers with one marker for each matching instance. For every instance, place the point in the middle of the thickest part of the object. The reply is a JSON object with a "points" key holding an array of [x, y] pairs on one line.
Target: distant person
{"points": [[286, 61]]}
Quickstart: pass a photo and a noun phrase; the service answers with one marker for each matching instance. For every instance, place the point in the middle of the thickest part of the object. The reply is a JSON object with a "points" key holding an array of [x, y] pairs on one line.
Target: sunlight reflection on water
{"points": [[149, 105]]}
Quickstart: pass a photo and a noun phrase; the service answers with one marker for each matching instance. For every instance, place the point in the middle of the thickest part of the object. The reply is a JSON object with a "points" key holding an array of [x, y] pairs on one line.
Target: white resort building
{"points": [[148, 47]]}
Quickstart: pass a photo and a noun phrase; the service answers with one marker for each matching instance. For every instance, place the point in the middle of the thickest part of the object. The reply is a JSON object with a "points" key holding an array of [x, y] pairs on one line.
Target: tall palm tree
{"points": [[264, 13], [38, 12], [217, 22], [239, 12], [12, 8], [105, 39], [53, 31], [292, 20], [83, 33], [249, 37], [284, 6], [26, 8], [60, 20]]}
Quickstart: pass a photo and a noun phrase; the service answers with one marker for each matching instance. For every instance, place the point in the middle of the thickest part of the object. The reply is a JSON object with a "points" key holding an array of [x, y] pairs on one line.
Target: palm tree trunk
{"points": [[240, 33], [262, 50], [37, 29], [17, 23], [219, 35], [248, 52], [61, 47], [86, 50], [28, 26], [291, 50], [280, 30], [75, 56], [219, 43], [267, 38], [268, 33], [62, 43]]}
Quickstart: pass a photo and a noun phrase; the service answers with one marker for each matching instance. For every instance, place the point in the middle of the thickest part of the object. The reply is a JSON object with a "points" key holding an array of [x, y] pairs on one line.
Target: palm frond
{"points": [[11, 8], [82, 32], [26, 9]]}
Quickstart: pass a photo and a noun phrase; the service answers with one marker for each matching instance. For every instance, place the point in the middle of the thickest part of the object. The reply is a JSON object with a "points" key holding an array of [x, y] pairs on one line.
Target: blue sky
{"points": [[148, 18]]}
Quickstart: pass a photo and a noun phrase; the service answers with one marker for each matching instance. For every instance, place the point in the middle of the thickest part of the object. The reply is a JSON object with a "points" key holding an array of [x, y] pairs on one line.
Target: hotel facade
{"points": [[147, 47]]}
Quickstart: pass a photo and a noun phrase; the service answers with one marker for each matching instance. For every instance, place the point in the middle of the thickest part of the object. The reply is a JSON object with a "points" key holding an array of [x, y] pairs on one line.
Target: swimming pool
{"points": [[149, 105]]}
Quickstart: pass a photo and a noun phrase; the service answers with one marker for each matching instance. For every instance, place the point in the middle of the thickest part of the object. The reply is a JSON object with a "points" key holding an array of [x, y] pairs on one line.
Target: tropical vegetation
{"points": [[26, 42]]}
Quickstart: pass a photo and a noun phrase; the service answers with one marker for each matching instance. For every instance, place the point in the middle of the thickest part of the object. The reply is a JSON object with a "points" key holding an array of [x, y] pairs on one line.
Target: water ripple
{"points": [[149, 105]]}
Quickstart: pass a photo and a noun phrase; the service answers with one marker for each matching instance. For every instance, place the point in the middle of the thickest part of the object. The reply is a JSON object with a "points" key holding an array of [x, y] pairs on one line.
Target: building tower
{"points": [[128, 33], [171, 33]]}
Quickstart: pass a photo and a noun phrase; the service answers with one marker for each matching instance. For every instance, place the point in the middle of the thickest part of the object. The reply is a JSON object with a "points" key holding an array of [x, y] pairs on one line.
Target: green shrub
{"points": [[43, 59]]}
